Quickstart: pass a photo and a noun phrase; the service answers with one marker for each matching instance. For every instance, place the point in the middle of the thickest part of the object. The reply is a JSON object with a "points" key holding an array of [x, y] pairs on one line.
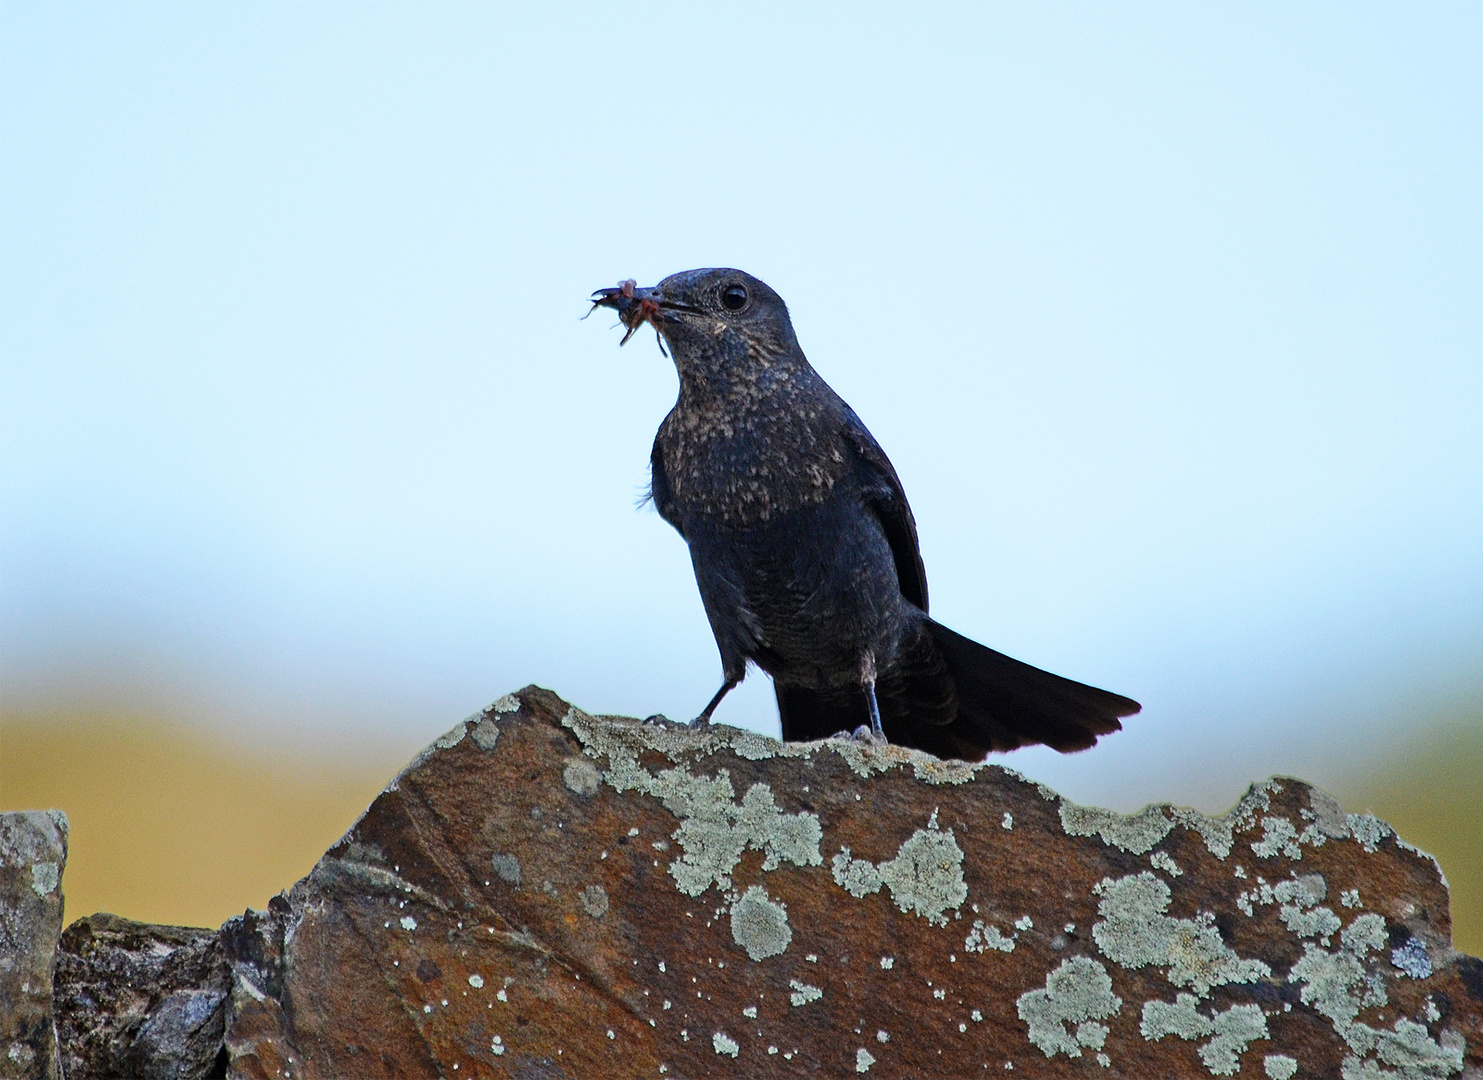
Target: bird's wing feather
{"points": [[886, 498], [659, 489]]}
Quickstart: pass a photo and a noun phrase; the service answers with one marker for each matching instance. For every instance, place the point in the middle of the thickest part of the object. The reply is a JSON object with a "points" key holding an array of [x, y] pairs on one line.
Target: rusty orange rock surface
{"points": [[544, 893]]}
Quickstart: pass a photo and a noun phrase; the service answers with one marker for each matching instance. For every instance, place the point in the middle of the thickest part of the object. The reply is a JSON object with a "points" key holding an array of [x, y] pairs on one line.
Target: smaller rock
{"points": [[139, 1000], [33, 851]]}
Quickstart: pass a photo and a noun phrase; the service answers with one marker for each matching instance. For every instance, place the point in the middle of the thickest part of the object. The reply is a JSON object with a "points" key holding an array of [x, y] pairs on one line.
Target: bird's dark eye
{"points": [[734, 297]]}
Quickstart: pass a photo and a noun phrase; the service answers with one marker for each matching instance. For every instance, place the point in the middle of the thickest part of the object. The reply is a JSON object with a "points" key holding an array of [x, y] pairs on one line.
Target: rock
{"points": [[33, 851], [141, 1001], [546, 893]]}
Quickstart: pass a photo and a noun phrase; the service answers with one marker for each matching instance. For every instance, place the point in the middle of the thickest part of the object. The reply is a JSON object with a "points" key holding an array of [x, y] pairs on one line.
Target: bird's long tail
{"points": [[955, 698], [1004, 703]]}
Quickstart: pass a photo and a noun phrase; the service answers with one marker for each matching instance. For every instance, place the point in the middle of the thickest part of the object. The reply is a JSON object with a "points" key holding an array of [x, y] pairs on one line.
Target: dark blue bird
{"points": [[805, 549]]}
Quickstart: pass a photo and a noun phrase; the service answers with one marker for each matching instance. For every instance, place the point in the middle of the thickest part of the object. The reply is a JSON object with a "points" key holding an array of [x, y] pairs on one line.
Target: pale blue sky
{"points": [[1168, 317]]}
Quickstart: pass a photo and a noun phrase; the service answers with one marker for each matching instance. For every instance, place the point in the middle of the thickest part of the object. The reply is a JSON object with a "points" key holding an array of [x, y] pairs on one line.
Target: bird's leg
{"points": [[872, 734], [867, 680], [876, 733], [704, 719]]}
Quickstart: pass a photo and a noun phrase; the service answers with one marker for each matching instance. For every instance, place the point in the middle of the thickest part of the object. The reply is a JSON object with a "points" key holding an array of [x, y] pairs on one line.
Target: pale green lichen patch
{"points": [[1135, 932], [1330, 984], [1279, 1066], [983, 937], [932, 770], [1079, 993], [581, 776], [803, 993], [1297, 894], [1368, 830], [1232, 1031], [1331, 980], [1303, 892], [1217, 832], [1407, 1048], [451, 738], [446, 741], [485, 733], [1279, 837], [1299, 913], [1160, 860], [624, 741], [1364, 933], [714, 830], [45, 877], [858, 877], [1141, 832], [759, 924], [1328, 980], [1319, 922], [1135, 833], [723, 1043], [864, 761], [863, 1060], [925, 877], [1257, 800]]}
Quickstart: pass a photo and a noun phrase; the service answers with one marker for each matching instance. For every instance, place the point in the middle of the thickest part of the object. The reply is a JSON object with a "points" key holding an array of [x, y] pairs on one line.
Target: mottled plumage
{"points": [[805, 549]]}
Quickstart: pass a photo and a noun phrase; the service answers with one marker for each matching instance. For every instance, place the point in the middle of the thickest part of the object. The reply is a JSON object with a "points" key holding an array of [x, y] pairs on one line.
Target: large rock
{"points": [[544, 893], [33, 851]]}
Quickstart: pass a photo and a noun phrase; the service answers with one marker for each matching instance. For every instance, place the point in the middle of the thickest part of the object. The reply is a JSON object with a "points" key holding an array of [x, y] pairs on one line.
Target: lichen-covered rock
{"points": [[546, 893], [140, 1001], [33, 852]]}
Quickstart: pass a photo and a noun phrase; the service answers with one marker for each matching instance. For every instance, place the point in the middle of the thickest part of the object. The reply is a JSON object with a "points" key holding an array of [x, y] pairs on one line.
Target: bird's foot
{"points": [[700, 723], [861, 734], [658, 720]]}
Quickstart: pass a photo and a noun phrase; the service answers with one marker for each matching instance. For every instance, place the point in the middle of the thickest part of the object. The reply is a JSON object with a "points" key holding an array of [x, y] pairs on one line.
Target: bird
{"points": [[805, 549]]}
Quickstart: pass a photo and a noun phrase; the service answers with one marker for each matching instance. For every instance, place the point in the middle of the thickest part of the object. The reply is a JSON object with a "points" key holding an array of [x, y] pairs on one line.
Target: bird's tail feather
{"points": [[1004, 703], [955, 698]]}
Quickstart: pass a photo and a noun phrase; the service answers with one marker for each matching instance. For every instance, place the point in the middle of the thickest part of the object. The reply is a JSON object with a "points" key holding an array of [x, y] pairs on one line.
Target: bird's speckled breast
{"points": [[762, 448]]}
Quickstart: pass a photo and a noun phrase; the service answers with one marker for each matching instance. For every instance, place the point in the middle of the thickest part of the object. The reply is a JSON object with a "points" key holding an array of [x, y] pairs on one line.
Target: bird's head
{"points": [[712, 319]]}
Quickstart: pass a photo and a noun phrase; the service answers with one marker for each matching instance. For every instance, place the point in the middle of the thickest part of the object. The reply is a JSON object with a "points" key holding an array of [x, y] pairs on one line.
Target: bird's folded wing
{"points": [[885, 497]]}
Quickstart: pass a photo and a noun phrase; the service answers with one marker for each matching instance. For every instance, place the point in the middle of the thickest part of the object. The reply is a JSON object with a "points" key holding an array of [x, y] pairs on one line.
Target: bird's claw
{"points": [[861, 734], [658, 720], [700, 723]]}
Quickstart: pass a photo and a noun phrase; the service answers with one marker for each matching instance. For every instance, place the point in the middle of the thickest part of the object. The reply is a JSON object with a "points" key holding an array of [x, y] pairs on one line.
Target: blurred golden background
{"points": [[171, 826]]}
